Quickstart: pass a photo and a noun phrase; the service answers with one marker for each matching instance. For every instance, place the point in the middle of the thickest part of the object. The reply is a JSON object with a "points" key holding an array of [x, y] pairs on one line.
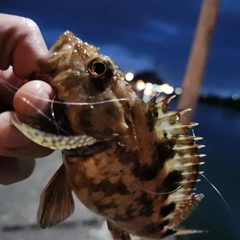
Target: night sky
{"points": [[143, 35]]}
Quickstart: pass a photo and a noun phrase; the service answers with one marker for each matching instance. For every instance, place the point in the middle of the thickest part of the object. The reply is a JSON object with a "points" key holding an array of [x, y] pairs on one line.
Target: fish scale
{"points": [[130, 162]]}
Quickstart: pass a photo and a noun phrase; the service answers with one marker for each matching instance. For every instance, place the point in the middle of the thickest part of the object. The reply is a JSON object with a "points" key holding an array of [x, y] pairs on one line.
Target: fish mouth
{"points": [[32, 129]]}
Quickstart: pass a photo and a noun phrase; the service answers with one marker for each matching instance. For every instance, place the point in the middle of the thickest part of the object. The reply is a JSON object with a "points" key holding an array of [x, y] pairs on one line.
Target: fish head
{"points": [[89, 83]]}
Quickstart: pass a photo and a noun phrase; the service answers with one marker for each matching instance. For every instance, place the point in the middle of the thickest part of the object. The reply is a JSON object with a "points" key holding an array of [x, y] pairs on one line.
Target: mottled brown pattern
{"points": [[111, 188], [129, 214], [146, 204], [150, 120], [127, 156], [172, 181], [146, 172], [102, 208], [167, 209]]}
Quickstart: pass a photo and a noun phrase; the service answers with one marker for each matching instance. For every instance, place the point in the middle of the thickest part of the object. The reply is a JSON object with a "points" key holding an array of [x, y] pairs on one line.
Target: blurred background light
{"points": [[166, 88], [129, 76], [235, 96], [140, 85], [178, 91]]}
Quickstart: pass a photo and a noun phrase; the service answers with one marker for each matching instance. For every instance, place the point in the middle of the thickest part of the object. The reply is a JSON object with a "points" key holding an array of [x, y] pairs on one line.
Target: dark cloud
{"points": [[142, 34]]}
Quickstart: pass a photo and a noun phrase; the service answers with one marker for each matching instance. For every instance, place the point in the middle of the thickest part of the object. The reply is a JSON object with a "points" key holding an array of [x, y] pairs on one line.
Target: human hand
{"points": [[21, 45]]}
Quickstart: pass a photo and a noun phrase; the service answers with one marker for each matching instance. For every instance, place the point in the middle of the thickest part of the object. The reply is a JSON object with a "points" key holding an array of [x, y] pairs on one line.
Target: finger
{"points": [[33, 98], [14, 144], [31, 150], [21, 44], [9, 84], [14, 170]]}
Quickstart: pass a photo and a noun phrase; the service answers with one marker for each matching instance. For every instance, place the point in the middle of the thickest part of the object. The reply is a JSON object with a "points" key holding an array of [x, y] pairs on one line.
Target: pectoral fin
{"points": [[56, 200]]}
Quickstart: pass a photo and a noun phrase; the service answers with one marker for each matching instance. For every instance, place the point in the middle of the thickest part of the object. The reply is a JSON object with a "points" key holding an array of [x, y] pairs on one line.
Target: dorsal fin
{"points": [[182, 165], [56, 200]]}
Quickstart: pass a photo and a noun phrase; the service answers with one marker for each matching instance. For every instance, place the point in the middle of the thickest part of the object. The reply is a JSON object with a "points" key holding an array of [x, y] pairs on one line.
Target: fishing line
{"points": [[53, 101], [46, 116], [218, 192], [224, 201], [53, 116], [157, 193], [11, 88], [221, 196], [82, 103]]}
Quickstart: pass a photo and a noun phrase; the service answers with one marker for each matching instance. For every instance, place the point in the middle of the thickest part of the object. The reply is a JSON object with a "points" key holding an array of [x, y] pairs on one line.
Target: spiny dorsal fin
{"points": [[189, 231], [184, 207], [182, 165], [56, 200]]}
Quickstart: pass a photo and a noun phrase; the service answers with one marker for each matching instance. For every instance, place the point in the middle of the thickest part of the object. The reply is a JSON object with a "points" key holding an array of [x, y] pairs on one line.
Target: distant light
{"points": [[156, 88], [178, 90], [166, 88], [129, 76], [148, 89], [140, 85], [169, 90], [235, 96], [147, 92], [149, 86]]}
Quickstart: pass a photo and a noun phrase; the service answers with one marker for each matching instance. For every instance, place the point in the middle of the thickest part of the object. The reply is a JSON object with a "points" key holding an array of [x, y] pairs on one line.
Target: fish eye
{"points": [[98, 68]]}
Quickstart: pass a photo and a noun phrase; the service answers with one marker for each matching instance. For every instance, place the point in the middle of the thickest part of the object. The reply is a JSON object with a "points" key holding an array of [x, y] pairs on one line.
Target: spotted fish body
{"points": [[130, 162]]}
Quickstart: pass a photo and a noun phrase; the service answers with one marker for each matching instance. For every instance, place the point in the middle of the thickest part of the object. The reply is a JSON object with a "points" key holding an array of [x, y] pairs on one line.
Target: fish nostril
{"points": [[98, 84]]}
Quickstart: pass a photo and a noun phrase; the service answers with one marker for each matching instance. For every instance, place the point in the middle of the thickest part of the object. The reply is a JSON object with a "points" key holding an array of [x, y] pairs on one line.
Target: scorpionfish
{"points": [[132, 163]]}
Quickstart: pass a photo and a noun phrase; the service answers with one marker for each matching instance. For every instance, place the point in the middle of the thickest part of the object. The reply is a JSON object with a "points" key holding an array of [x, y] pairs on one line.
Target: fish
{"points": [[131, 162]]}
